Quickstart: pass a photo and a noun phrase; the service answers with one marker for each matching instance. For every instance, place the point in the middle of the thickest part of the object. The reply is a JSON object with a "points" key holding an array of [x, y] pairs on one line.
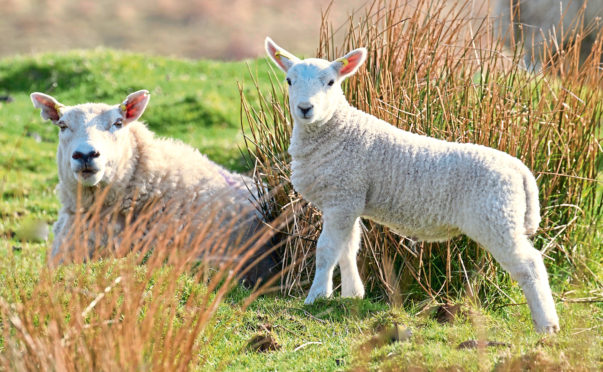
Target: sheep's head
{"points": [[314, 84], [94, 138]]}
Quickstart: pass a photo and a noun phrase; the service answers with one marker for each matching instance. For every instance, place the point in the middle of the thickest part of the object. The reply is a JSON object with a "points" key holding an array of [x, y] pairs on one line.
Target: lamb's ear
{"points": [[134, 105], [283, 59], [348, 64], [51, 108]]}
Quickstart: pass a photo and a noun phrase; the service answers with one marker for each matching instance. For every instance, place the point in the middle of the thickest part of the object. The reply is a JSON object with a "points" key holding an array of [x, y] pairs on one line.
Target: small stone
{"points": [[387, 335], [398, 333]]}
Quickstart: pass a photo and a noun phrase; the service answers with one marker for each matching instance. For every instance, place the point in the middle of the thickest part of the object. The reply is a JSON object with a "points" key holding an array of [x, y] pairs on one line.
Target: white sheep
{"points": [[104, 146], [351, 165]]}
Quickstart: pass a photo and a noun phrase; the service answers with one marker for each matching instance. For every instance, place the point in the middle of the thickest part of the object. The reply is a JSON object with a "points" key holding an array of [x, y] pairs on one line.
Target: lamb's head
{"points": [[314, 84], [94, 138]]}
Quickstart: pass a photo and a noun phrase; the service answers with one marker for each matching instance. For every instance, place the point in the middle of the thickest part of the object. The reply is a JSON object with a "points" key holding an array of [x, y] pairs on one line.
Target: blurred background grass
{"points": [[196, 28]]}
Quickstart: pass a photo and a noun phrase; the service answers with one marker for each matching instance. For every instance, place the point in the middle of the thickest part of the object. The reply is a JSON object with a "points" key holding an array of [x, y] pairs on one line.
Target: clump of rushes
{"points": [[150, 306], [436, 69]]}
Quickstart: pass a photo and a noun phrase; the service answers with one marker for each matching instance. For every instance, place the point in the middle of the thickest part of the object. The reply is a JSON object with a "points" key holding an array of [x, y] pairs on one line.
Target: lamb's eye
{"points": [[288, 81], [331, 82], [118, 123], [62, 125]]}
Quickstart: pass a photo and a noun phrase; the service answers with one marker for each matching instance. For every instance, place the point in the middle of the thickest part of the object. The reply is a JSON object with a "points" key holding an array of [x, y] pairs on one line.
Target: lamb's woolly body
{"points": [[418, 186], [351, 165]]}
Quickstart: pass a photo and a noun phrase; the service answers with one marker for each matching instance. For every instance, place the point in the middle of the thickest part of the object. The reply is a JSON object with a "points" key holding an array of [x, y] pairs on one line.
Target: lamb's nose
{"points": [[305, 109], [84, 158]]}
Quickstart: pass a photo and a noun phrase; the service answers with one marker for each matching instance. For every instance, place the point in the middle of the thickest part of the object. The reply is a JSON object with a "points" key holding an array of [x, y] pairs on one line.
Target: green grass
{"points": [[343, 332], [198, 102]]}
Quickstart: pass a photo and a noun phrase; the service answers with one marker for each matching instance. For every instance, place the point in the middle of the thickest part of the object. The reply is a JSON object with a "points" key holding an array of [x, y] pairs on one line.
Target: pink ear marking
{"points": [[350, 63]]}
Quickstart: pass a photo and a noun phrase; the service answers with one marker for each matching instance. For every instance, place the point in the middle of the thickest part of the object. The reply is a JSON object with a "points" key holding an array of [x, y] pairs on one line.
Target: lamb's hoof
{"points": [[309, 300], [356, 293], [548, 329], [313, 295]]}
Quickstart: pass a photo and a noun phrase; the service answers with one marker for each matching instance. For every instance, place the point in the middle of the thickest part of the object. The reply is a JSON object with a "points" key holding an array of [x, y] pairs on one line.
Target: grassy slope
{"points": [[198, 103]]}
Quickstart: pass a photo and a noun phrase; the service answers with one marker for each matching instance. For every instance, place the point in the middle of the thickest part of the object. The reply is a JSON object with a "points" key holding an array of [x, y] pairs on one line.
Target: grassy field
{"points": [[198, 103], [153, 316]]}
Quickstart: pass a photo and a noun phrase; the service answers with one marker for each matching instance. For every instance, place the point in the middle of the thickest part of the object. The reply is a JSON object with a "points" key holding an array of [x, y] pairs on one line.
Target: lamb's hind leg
{"points": [[336, 232], [526, 266], [351, 284]]}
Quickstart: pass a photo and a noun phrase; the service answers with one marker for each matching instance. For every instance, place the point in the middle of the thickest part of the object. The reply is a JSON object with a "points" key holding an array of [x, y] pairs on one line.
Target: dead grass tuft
{"points": [[437, 70], [145, 301]]}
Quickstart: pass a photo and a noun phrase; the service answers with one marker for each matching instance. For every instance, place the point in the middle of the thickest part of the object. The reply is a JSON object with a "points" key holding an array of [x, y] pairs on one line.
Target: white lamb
{"points": [[351, 165], [103, 145]]}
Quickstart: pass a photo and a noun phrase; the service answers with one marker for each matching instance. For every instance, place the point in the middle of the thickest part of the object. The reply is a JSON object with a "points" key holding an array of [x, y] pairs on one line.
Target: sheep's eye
{"points": [[118, 123], [62, 125], [288, 81], [331, 82]]}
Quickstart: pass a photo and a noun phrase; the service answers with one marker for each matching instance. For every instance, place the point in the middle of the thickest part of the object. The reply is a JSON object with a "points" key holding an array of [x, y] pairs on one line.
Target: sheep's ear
{"points": [[283, 59], [349, 64], [51, 108], [134, 105]]}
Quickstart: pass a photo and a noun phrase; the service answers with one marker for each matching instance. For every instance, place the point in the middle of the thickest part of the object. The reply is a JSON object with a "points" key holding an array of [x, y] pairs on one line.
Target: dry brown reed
{"points": [[145, 301], [435, 68]]}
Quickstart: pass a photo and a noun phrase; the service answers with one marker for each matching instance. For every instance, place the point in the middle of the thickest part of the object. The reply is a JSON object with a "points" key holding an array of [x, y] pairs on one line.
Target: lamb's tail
{"points": [[532, 217]]}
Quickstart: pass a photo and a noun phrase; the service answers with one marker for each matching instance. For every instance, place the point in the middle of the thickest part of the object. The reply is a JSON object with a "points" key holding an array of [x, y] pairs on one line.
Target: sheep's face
{"points": [[94, 139], [314, 84]]}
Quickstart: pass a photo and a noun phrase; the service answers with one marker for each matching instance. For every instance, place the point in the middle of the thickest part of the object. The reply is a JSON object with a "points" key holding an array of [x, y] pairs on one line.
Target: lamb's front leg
{"points": [[351, 284], [336, 233]]}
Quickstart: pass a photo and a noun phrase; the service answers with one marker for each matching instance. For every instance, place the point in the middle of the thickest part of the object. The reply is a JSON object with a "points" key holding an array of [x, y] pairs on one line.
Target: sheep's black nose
{"points": [[84, 158], [305, 110]]}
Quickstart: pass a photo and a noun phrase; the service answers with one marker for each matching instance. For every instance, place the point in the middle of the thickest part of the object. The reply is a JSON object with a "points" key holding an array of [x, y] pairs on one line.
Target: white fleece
{"points": [[137, 168]]}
